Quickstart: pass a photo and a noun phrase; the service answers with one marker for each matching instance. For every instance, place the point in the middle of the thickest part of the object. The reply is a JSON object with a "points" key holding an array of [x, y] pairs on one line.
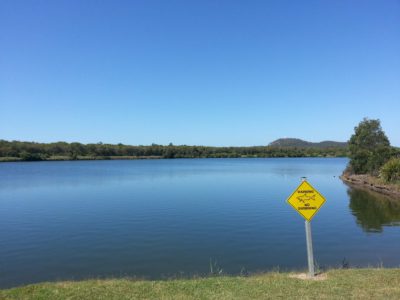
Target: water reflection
{"points": [[372, 210]]}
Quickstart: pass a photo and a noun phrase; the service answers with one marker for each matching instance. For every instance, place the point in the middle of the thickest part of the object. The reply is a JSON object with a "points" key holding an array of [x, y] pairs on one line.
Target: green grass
{"points": [[340, 284]]}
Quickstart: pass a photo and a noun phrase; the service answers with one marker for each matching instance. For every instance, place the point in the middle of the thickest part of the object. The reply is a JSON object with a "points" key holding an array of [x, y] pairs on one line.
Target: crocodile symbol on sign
{"points": [[305, 199]]}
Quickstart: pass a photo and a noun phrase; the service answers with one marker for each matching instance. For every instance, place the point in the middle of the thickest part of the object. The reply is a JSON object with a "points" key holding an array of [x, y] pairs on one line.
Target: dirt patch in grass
{"points": [[305, 276]]}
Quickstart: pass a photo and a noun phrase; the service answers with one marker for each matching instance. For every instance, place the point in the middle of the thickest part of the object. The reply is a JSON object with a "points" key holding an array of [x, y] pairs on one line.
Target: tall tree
{"points": [[369, 147]]}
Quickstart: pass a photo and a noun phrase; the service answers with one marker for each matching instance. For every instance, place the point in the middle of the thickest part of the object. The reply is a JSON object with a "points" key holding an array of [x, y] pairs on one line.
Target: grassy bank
{"points": [[339, 284]]}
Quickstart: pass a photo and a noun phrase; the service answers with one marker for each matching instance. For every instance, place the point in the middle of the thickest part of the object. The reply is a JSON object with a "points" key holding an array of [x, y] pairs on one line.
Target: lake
{"points": [[183, 217]]}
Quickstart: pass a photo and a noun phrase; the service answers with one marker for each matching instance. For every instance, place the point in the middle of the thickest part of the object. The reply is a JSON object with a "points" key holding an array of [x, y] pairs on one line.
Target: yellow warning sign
{"points": [[306, 200]]}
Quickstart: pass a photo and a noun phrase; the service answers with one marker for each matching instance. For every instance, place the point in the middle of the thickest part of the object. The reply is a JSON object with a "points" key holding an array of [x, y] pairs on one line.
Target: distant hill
{"points": [[292, 142]]}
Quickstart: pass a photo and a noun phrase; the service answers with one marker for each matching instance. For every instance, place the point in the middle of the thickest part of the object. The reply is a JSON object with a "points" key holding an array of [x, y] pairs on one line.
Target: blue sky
{"points": [[197, 72]]}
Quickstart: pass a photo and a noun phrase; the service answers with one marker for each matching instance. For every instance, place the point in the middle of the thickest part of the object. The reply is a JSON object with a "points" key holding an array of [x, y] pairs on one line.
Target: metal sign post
{"points": [[310, 254]]}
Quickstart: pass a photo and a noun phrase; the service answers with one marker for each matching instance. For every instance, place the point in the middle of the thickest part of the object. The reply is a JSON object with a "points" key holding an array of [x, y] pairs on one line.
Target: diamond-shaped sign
{"points": [[306, 200]]}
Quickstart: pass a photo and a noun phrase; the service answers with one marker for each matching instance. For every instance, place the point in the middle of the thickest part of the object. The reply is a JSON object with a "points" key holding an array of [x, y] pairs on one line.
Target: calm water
{"points": [[161, 218]]}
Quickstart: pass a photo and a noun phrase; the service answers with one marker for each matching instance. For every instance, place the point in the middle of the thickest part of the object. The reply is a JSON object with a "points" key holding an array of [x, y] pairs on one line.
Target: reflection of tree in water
{"points": [[373, 211]]}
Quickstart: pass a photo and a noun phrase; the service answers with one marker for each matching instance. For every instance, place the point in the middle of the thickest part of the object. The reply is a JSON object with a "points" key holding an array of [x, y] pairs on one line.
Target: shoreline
{"points": [[83, 158], [372, 183]]}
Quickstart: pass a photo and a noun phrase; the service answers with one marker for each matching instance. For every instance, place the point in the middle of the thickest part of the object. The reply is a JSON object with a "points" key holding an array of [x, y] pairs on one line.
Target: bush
{"points": [[390, 171], [26, 156]]}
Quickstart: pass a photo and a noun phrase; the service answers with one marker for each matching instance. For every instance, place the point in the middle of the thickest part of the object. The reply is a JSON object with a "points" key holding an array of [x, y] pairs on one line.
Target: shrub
{"points": [[390, 171], [31, 156]]}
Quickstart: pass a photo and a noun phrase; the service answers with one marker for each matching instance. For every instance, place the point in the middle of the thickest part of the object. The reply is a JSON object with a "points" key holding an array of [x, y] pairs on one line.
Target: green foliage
{"points": [[369, 147], [26, 156], [390, 171], [62, 150]]}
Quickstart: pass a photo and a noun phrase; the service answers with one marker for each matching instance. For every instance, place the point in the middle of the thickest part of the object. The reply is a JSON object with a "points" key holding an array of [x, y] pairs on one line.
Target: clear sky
{"points": [[197, 72]]}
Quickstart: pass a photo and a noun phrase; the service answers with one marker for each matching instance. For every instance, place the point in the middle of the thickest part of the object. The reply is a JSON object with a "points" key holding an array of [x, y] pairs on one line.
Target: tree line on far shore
{"points": [[31, 151]]}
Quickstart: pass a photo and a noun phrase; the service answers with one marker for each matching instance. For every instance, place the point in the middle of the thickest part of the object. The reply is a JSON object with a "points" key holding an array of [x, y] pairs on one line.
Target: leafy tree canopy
{"points": [[369, 147]]}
